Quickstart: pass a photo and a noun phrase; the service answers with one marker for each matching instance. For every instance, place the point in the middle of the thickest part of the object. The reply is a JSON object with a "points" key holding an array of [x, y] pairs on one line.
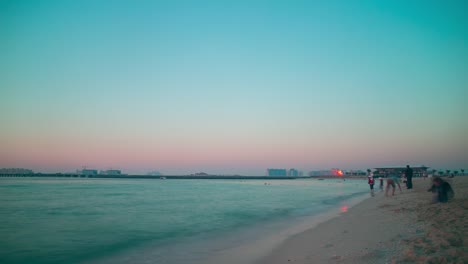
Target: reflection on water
{"points": [[344, 208]]}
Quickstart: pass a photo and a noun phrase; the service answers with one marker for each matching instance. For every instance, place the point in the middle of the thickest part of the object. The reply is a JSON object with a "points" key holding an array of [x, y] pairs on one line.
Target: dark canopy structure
{"points": [[417, 171]]}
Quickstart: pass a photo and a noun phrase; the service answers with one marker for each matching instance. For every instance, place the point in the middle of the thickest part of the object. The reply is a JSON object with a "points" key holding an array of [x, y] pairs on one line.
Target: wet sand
{"points": [[405, 228]]}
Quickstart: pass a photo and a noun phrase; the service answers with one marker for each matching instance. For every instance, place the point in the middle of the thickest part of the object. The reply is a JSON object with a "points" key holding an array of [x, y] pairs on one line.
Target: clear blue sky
{"points": [[233, 86]]}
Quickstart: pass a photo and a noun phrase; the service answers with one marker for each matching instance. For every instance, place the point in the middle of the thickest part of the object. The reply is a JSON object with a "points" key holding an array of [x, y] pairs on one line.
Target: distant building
{"points": [[87, 172], [21, 171], [293, 173], [318, 173], [111, 172], [200, 174], [276, 172]]}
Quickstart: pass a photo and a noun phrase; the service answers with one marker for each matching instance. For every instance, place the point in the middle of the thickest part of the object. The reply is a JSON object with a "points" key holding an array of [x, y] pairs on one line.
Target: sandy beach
{"points": [[405, 228]]}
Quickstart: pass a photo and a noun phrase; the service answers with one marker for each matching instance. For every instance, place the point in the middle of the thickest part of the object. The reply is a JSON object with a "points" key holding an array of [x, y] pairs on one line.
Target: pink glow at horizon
{"points": [[237, 156]]}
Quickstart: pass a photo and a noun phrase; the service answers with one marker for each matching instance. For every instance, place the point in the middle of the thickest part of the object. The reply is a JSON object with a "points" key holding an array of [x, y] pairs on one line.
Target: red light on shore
{"points": [[340, 173], [344, 209]]}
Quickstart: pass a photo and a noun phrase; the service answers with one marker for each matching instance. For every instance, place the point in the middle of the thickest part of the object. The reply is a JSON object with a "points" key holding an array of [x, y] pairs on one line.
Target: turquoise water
{"points": [[66, 220]]}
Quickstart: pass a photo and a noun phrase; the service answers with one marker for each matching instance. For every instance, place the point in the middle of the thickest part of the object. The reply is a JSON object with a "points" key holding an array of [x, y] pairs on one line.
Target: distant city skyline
{"points": [[281, 172], [233, 87]]}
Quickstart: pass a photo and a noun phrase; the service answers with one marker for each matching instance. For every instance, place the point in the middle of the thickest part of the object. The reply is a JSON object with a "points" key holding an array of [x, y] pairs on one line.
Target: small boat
{"points": [[162, 178]]}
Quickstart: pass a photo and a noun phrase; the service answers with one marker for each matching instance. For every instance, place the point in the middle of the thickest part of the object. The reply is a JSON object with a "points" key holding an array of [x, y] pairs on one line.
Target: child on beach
{"points": [[370, 181], [442, 190], [381, 183]]}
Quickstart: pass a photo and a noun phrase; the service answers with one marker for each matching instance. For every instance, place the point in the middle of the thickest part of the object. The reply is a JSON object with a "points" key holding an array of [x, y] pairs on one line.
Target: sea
{"points": [[84, 220]]}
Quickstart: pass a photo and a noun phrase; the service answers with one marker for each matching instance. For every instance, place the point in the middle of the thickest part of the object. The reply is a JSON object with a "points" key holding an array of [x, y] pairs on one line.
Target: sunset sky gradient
{"points": [[233, 87]]}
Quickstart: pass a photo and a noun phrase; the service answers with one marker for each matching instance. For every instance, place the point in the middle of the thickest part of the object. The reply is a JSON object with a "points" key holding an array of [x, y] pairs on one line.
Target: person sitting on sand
{"points": [[442, 190]]}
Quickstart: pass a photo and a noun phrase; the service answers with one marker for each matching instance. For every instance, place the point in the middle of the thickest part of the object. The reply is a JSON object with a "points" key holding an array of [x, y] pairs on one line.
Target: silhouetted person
{"points": [[409, 177], [442, 190]]}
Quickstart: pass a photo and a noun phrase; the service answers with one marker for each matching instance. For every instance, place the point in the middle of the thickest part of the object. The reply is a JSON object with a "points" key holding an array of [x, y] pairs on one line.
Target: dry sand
{"points": [[405, 228]]}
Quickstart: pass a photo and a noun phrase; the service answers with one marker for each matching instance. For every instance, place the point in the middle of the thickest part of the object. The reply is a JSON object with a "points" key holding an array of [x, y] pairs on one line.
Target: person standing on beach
{"points": [[370, 181], [409, 177], [381, 182]]}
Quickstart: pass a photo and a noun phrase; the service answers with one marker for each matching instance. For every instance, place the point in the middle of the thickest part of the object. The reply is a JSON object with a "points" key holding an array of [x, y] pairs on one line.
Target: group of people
{"points": [[393, 180], [442, 190]]}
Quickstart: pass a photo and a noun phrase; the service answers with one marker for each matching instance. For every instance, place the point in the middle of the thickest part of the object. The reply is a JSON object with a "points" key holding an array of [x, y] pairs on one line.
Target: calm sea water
{"points": [[69, 220]]}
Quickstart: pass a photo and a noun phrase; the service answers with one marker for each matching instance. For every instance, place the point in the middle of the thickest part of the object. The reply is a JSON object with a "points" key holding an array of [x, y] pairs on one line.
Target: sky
{"points": [[233, 87]]}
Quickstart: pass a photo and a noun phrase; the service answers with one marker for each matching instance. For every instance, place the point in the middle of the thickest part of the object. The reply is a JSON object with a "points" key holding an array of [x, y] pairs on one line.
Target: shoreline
{"points": [[257, 247], [404, 228]]}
